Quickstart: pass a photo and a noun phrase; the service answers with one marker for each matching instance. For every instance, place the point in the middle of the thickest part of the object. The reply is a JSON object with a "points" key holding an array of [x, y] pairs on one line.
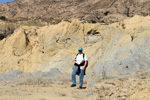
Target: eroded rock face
{"points": [[119, 48], [104, 11]]}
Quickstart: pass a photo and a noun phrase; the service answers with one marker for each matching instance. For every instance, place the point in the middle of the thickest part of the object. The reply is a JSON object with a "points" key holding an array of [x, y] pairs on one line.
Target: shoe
{"points": [[79, 87], [73, 85]]}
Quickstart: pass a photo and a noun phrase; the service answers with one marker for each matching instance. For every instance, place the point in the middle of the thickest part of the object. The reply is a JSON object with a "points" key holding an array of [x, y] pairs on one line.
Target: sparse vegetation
{"points": [[2, 36], [34, 23], [2, 18]]}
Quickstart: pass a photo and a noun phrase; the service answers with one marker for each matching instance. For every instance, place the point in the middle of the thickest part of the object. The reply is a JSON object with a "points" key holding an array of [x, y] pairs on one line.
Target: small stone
{"points": [[124, 98], [110, 94], [100, 98], [88, 93], [114, 98], [42, 99]]}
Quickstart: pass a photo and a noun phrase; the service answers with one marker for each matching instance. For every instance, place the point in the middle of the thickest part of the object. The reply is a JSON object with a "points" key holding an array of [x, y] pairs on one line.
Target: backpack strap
{"points": [[83, 55], [76, 56]]}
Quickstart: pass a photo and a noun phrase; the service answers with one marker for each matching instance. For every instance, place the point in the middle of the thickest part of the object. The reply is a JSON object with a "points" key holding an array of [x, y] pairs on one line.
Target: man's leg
{"points": [[81, 75], [74, 75]]}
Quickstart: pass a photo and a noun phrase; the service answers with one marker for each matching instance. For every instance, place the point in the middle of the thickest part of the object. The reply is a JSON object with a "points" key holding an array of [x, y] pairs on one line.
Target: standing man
{"points": [[79, 66]]}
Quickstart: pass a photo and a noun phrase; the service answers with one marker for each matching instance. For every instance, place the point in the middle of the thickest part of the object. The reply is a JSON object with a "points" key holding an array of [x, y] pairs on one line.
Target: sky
{"points": [[2, 1]]}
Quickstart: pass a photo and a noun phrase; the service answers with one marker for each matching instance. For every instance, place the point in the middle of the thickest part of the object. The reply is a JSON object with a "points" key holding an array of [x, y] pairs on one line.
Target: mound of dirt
{"points": [[118, 48], [13, 75]]}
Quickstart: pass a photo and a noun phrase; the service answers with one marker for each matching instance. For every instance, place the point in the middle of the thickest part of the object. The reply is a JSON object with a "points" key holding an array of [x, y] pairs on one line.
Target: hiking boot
{"points": [[73, 85], [79, 87]]}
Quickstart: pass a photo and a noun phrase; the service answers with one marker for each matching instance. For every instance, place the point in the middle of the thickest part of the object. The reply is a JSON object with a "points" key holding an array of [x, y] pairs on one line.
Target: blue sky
{"points": [[2, 1]]}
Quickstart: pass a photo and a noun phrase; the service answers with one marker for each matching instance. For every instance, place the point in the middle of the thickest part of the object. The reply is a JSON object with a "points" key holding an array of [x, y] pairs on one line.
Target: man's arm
{"points": [[73, 64], [84, 65]]}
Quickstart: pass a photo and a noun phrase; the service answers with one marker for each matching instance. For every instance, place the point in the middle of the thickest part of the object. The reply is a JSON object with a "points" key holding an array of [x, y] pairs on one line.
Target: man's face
{"points": [[80, 51]]}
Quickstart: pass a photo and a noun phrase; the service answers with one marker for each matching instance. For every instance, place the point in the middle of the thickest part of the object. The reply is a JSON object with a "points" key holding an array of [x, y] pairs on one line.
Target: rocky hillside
{"points": [[103, 11], [114, 49]]}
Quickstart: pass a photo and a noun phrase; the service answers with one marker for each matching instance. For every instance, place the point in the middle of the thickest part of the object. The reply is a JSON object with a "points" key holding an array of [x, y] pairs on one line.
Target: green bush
{"points": [[2, 18]]}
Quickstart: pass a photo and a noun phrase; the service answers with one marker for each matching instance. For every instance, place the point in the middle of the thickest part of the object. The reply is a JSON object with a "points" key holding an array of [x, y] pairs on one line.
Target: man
{"points": [[79, 67]]}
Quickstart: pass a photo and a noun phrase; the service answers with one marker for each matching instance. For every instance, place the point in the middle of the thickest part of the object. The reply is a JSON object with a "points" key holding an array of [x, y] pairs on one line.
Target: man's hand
{"points": [[73, 64], [83, 68], [84, 65], [72, 67]]}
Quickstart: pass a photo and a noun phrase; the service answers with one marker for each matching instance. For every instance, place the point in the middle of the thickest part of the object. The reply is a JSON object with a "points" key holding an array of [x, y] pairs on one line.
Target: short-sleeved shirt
{"points": [[79, 58]]}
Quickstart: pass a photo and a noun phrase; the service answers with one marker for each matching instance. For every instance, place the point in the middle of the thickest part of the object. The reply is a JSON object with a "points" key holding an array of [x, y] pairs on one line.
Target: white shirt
{"points": [[79, 58]]}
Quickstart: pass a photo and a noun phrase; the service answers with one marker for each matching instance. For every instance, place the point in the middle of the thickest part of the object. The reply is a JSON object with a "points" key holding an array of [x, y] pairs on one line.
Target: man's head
{"points": [[80, 49]]}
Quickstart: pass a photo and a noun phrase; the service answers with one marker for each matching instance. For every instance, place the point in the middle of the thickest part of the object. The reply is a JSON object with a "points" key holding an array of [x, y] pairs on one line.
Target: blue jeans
{"points": [[81, 76]]}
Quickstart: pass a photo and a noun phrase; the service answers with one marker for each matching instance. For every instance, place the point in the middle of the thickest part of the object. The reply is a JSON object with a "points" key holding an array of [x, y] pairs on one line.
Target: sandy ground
{"points": [[51, 91], [124, 88]]}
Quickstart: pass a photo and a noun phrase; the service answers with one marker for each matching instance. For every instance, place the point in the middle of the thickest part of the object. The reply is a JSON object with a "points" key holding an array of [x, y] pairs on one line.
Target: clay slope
{"points": [[104, 11], [119, 48]]}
